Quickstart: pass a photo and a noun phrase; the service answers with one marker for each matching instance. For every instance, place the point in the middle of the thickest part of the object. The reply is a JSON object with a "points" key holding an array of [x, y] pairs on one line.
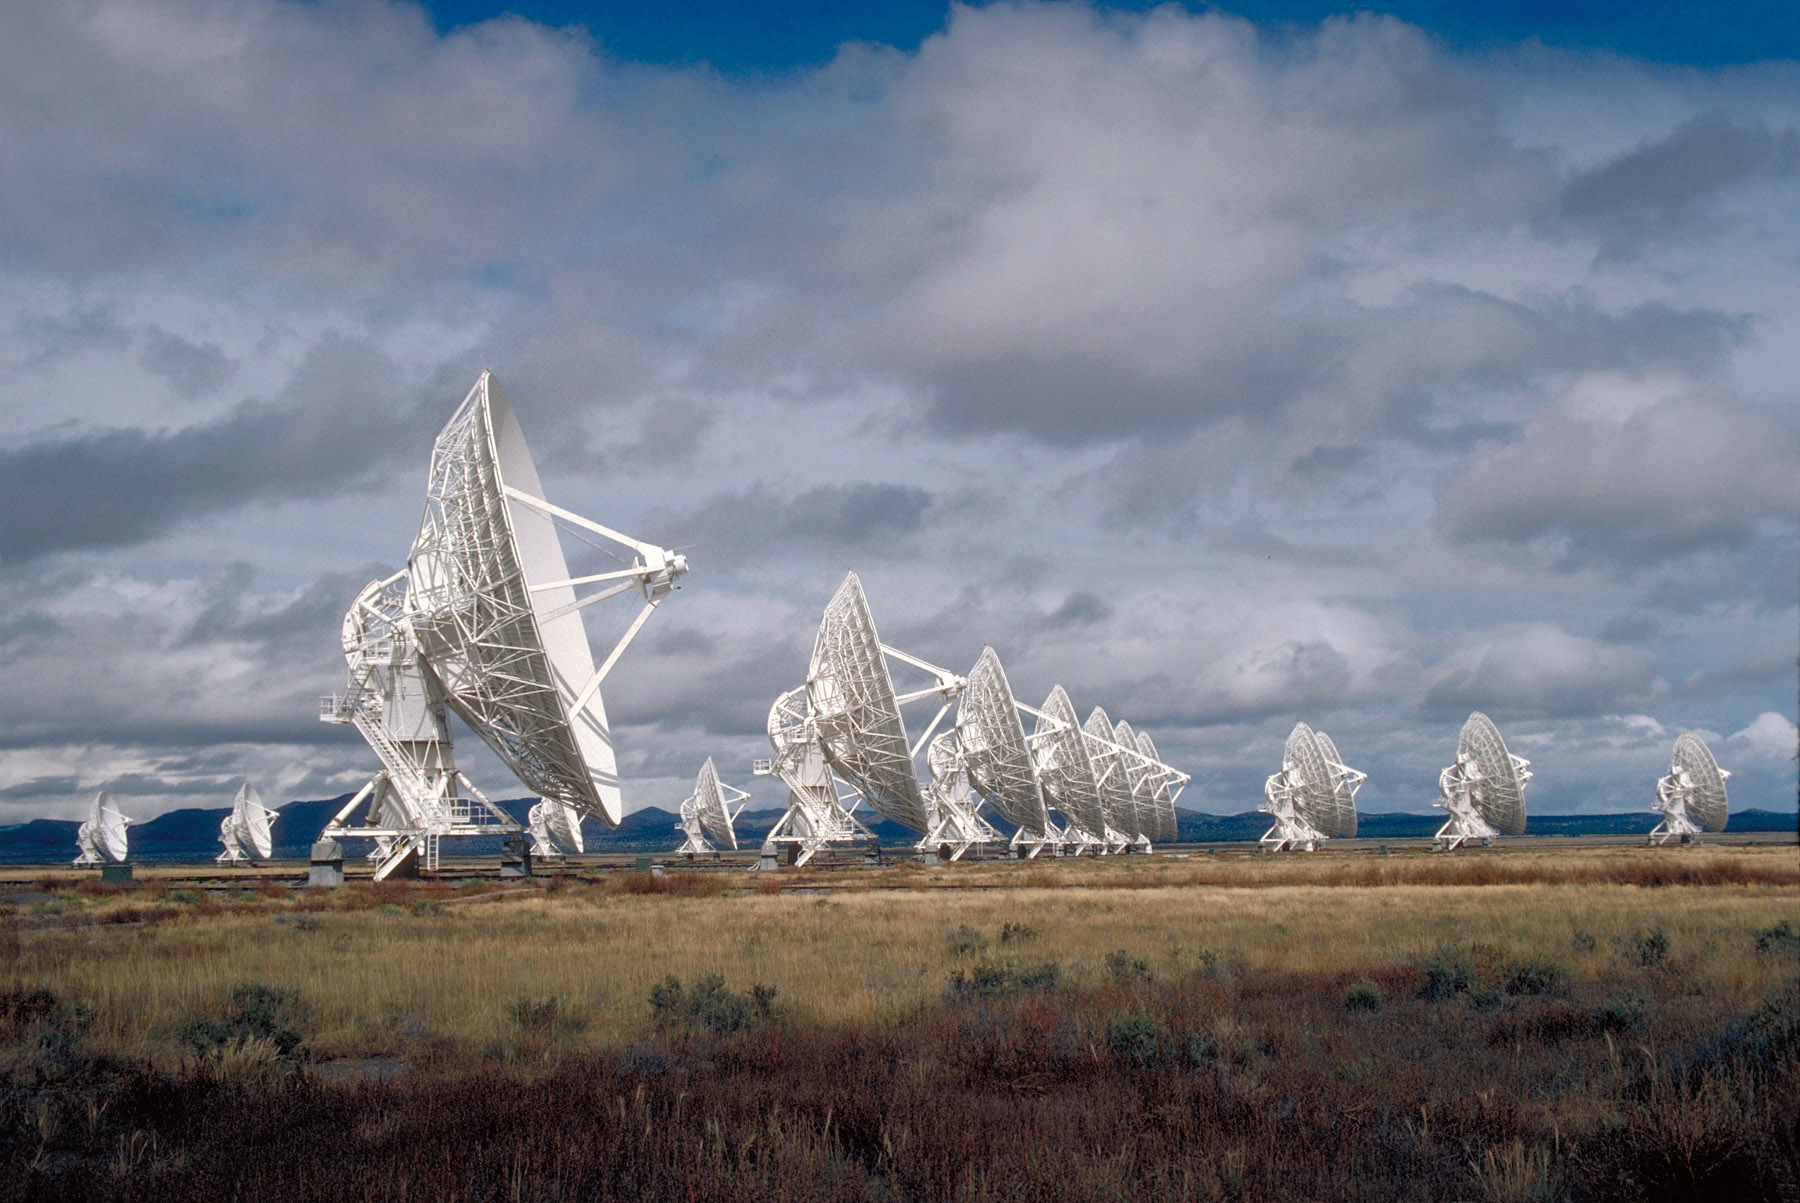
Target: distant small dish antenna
{"points": [[485, 623], [555, 830], [1313, 797], [709, 814], [1066, 767], [1484, 791], [102, 839], [248, 832], [1691, 799]]}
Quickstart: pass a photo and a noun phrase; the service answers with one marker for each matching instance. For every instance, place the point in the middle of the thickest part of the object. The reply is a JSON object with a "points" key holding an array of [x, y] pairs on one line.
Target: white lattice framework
{"points": [[1313, 798], [1067, 771], [1484, 791], [247, 833], [709, 814], [817, 816], [102, 839], [997, 756], [555, 829], [1691, 799], [485, 622]]}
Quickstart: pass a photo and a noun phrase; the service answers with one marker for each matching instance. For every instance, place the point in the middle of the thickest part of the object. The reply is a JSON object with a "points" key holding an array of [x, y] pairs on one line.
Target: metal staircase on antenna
{"points": [[1484, 791], [1691, 799], [484, 623]]}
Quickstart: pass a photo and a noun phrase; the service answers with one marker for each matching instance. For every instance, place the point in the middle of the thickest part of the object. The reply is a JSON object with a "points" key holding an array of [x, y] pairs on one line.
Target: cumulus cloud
{"points": [[1623, 468], [1213, 373], [1539, 669], [334, 426], [1676, 185], [1770, 737]]}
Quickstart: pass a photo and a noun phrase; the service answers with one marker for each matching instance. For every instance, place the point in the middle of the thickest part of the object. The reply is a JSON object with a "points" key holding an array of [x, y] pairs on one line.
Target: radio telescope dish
{"points": [[1691, 798], [999, 760], [957, 825], [1484, 791], [1067, 772], [102, 839], [1116, 802], [1137, 781], [707, 816], [817, 816], [485, 622], [248, 831], [554, 826], [1345, 781], [1165, 783], [851, 695], [1300, 796]]}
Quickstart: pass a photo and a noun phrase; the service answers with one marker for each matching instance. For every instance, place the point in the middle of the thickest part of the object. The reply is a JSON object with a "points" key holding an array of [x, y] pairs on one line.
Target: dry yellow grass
{"points": [[877, 945]]}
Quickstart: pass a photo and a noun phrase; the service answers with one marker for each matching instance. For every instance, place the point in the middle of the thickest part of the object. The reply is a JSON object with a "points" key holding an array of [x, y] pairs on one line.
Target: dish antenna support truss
{"points": [[248, 831], [102, 838], [709, 814], [485, 623], [1691, 799], [1484, 791], [554, 826], [817, 814], [1313, 797]]}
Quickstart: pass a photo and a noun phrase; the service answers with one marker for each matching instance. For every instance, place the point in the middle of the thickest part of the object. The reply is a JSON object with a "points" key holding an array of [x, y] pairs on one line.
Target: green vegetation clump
{"points": [[1000, 979], [1137, 1038], [1446, 973], [1363, 995], [1651, 948], [1537, 975], [709, 1006], [253, 1013], [965, 941], [1126, 969], [1784, 937]]}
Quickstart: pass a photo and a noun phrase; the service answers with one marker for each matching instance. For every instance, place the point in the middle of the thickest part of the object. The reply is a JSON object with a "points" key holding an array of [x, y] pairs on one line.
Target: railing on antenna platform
{"points": [[762, 768]]}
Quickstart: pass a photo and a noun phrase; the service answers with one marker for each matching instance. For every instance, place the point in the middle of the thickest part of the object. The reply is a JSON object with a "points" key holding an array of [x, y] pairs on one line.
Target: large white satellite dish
{"points": [[1168, 784], [817, 815], [102, 838], [1691, 799], [851, 719], [1484, 791], [555, 830], [1117, 803], [1345, 781], [1067, 774], [248, 832], [1299, 797], [709, 814], [485, 622], [998, 756]]}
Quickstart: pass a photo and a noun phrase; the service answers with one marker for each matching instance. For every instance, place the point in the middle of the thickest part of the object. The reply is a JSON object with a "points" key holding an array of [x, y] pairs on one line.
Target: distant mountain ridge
{"points": [[193, 834]]}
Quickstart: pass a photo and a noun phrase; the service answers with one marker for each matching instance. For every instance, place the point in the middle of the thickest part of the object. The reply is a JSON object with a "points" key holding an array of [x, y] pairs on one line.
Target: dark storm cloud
{"points": [[83, 327], [1671, 187], [335, 425], [873, 518], [194, 368]]}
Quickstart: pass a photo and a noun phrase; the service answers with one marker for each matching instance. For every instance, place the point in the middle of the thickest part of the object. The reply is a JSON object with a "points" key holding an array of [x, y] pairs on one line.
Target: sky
{"points": [[1231, 367]]}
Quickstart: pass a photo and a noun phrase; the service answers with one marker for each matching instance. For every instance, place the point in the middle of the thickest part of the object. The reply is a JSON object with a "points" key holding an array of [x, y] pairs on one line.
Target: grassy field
{"points": [[1522, 1023]]}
